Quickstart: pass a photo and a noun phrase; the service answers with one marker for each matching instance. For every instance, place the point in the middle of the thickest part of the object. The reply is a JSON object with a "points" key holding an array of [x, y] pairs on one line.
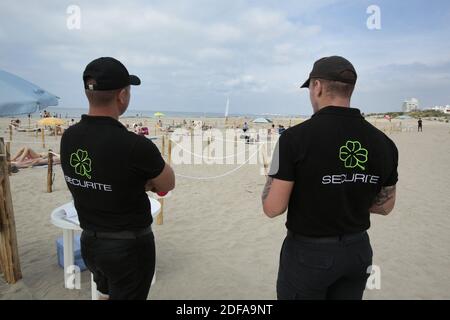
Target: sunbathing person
{"points": [[27, 157], [15, 124]]}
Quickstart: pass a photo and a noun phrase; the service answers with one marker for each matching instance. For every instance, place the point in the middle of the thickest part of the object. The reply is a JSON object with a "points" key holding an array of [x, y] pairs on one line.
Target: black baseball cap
{"points": [[332, 68], [109, 74]]}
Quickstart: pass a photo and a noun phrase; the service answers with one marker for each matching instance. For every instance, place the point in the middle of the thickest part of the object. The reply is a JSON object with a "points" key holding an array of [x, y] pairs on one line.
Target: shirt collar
{"points": [[339, 111], [101, 120]]}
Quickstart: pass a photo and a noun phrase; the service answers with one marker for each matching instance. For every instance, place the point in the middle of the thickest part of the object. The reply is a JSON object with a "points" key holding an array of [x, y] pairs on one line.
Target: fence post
{"points": [[9, 255], [50, 171]]}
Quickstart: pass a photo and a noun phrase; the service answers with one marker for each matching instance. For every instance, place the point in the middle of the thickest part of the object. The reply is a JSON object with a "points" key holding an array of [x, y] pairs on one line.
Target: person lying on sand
{"points": [[15, 124], [27, 157]]}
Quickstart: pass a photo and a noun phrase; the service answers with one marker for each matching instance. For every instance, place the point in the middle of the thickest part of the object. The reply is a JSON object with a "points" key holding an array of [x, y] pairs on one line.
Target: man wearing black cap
{"points": [[330, 173], [108, 171]]}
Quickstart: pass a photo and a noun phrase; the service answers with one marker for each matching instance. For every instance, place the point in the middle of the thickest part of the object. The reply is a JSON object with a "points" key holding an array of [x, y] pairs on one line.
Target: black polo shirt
{"points": [[106, 168], [338, 162]]}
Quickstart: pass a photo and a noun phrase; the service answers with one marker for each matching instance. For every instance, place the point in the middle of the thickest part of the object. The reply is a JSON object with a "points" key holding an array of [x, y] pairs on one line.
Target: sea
{"points": [[68, 113]]}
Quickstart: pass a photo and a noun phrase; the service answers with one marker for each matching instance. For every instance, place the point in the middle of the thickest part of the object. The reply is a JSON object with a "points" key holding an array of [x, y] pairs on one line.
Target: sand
{"points": [[216, 243]]}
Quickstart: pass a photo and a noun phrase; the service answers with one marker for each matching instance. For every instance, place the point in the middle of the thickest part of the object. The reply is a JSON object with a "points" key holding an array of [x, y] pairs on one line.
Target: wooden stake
{"points": [[43, 137], [160, 217], [9, 255], [169, 152], [209, 142], [50, 171], [2, 269], [10, 132], [8, 156], [264, 150], [163, 145]]}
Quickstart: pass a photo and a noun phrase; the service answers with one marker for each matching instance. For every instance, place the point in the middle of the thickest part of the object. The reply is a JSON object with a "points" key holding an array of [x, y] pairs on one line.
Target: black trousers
{"points": [[123, 269], [311, 269]]}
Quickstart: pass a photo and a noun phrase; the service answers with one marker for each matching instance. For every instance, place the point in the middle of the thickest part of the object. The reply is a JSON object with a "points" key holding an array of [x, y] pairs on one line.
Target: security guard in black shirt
{"points": [[108, 171], [330, 173]]}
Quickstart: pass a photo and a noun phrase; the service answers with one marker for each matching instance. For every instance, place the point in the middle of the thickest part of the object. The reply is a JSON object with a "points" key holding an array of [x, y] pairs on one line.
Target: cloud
{"points": [[215, 53], [245, 82], [140, 60], [389, 85], [191, 54], [223, 33]]}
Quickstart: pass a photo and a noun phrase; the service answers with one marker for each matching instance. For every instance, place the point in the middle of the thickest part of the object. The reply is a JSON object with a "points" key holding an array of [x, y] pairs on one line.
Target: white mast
{"points": [[227, 107]]}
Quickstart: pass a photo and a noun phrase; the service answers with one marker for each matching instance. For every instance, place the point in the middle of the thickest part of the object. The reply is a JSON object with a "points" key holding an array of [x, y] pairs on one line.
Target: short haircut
{"points": [[338, 88], [100, 98]]}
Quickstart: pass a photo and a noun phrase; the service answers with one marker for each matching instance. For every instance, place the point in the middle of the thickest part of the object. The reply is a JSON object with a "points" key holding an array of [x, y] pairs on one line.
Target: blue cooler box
{"points": [[77, 252]]}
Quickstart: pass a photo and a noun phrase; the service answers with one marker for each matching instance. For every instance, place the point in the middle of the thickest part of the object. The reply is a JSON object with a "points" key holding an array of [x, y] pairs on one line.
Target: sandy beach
{"points": [[216, 243]]}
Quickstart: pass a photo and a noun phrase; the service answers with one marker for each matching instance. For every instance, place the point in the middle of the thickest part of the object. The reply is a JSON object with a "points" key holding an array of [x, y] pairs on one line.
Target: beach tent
{"points": [[262, 120], [19, 96]]}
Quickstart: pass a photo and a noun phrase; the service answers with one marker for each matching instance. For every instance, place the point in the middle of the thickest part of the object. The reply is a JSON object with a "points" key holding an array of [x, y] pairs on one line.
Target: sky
{"points": [[191, 55]]}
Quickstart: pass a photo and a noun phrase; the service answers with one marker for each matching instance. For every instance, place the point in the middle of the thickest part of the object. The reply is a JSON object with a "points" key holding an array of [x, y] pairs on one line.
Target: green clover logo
{"points": [[353, 155], [81, 162]]}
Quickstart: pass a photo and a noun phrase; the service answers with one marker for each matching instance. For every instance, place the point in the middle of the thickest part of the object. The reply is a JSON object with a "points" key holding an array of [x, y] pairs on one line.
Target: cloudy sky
{"points": [[191, 55]]}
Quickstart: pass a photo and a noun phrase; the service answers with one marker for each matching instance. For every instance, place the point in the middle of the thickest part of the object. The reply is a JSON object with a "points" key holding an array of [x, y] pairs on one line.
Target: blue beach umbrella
{"points": [[19, 96]]}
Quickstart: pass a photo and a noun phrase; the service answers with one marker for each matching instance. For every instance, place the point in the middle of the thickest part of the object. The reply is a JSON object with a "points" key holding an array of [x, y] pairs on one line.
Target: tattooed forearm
{"points": [[267, 188], [386, 194]]}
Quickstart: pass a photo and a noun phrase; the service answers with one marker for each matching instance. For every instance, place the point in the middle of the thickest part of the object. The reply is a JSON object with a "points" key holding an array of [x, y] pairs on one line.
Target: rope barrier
{"points": [[218, 176], [211, 158]]}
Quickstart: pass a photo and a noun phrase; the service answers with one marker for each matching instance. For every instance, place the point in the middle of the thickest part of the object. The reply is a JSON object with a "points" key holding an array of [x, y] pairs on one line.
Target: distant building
{"points": [[444, 109], [410, 105]]}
